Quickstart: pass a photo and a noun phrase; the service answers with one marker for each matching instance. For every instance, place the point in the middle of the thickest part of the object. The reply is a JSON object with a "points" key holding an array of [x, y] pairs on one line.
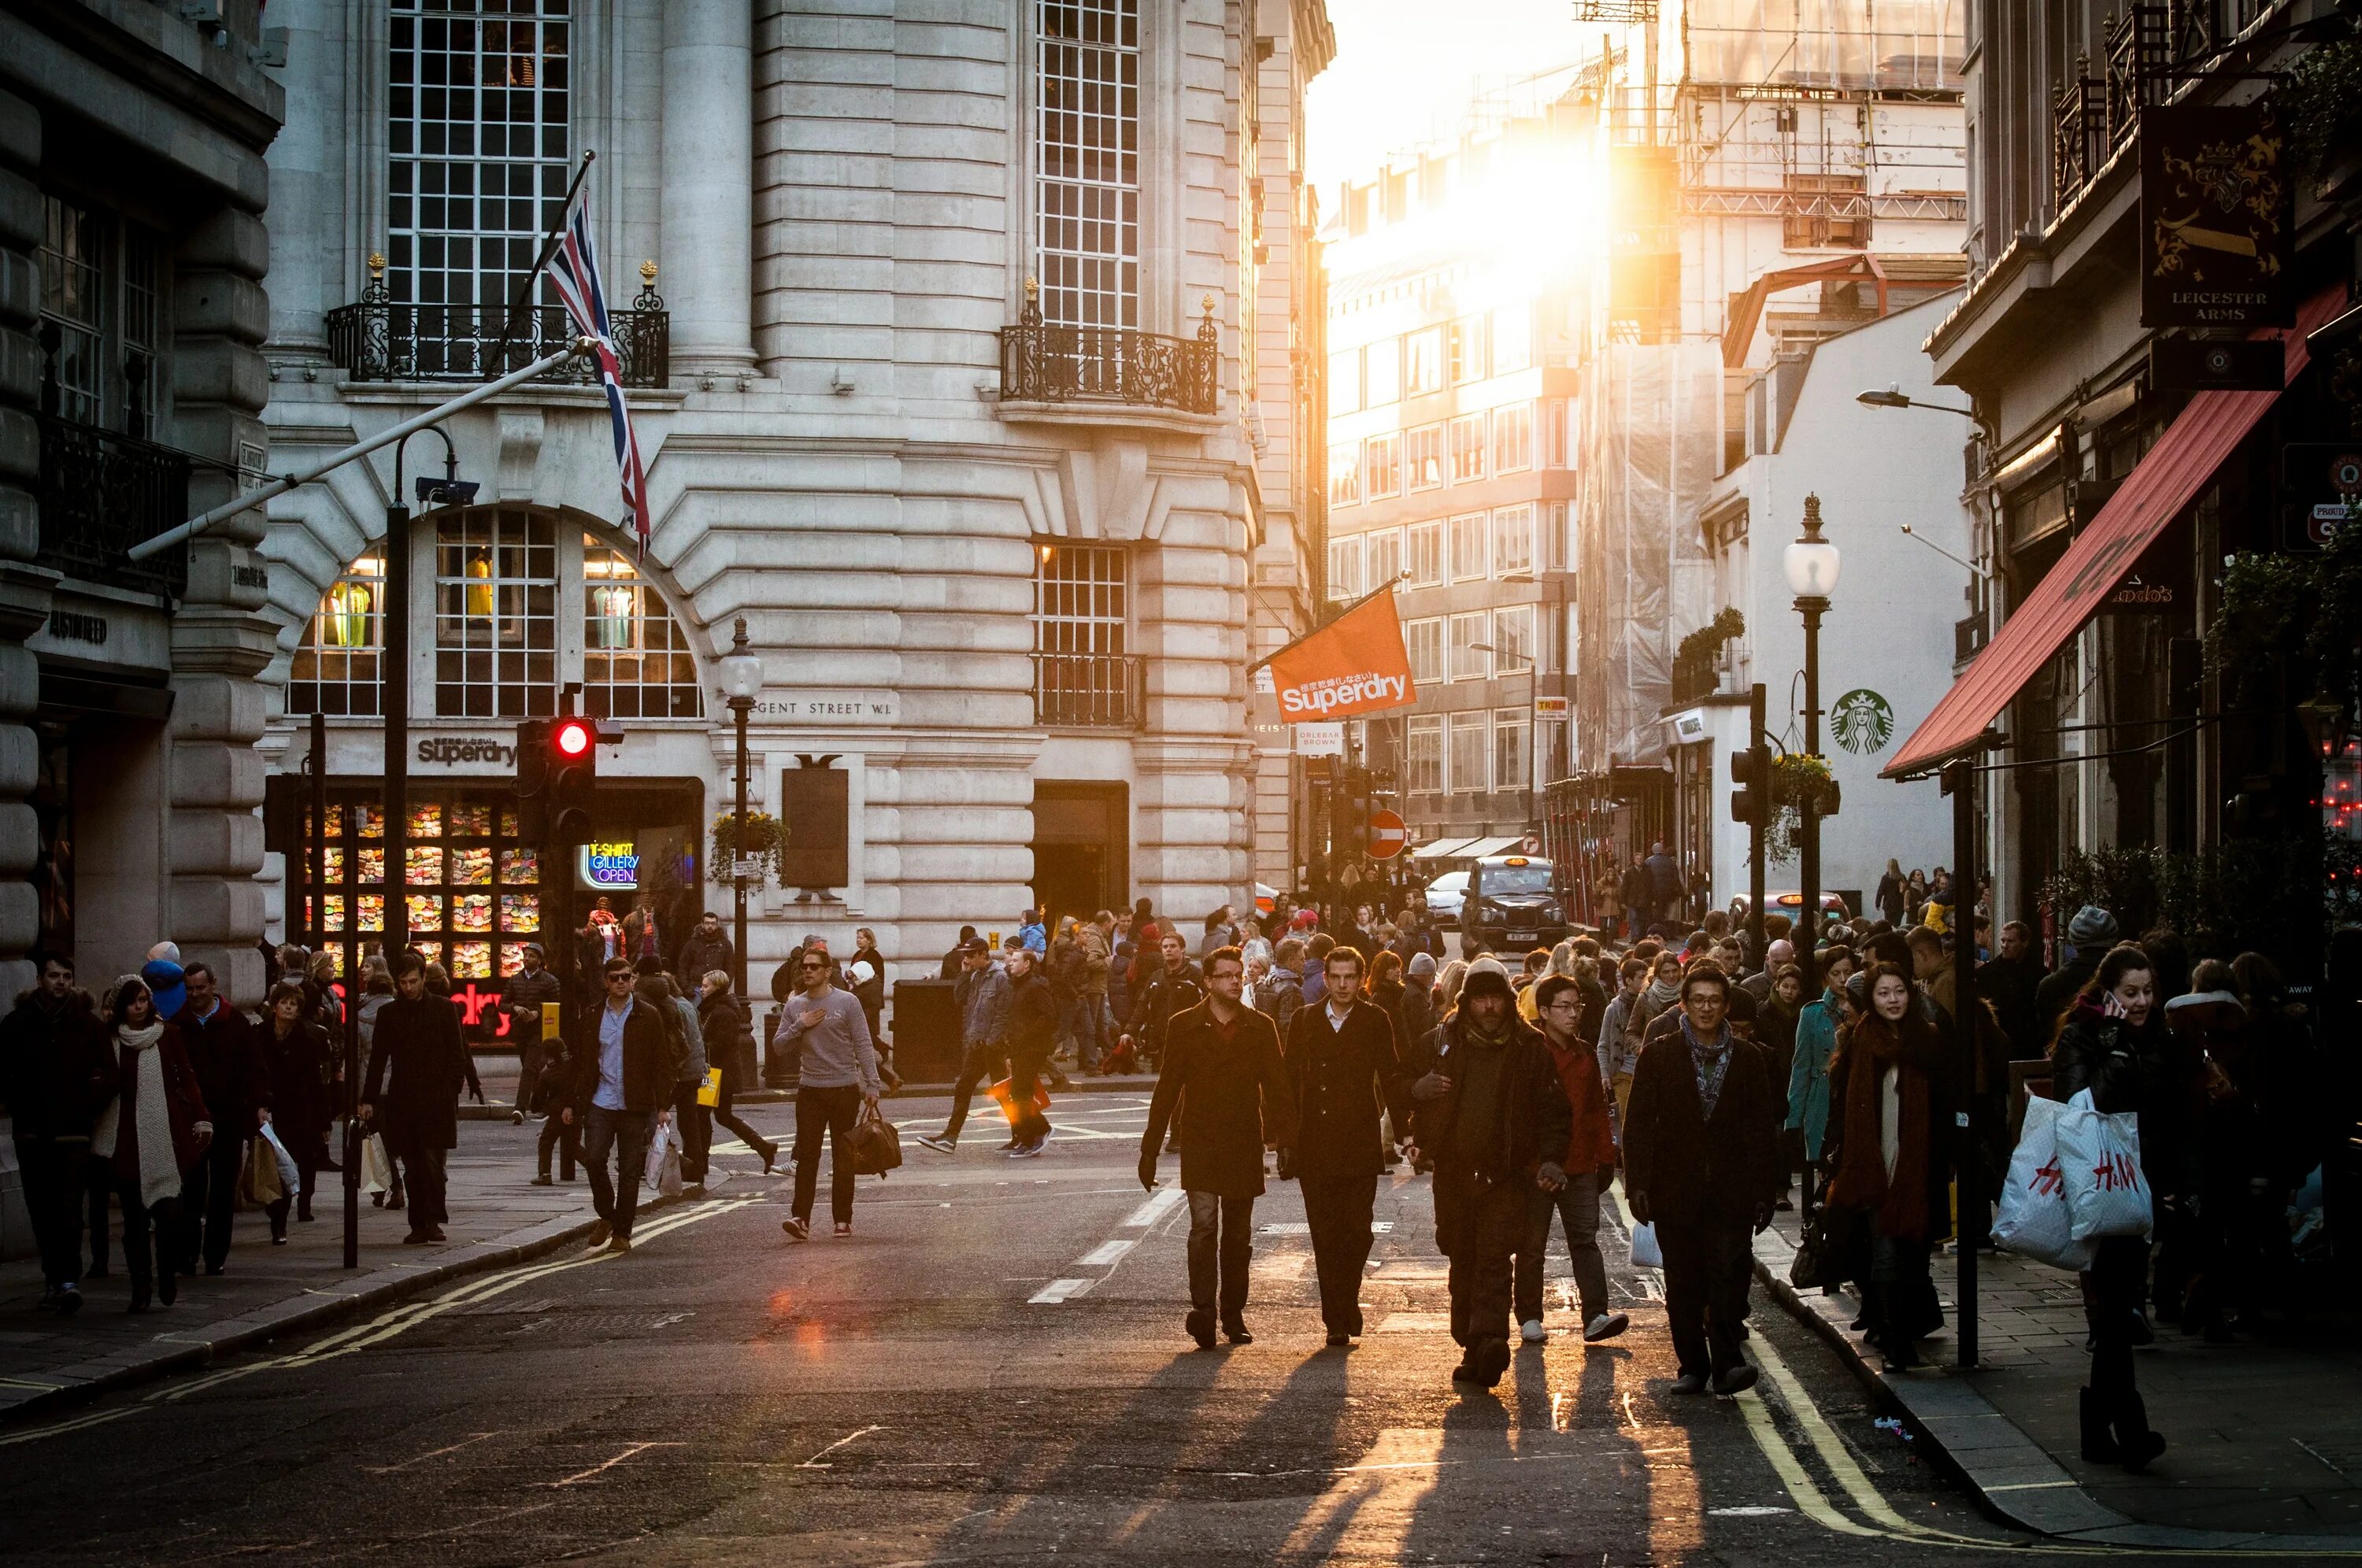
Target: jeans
{"points": [[695, 1125], [1025, 1080], [136, 1223], [2118, 1276], [1338, 1209], [616, 1199], [1707, 1268], [55, 1174], [1221, 1242], [208, 1197], [563, 1136], [982, 1063], [1576, 1206], [1085, 1023], [830, 1110]]}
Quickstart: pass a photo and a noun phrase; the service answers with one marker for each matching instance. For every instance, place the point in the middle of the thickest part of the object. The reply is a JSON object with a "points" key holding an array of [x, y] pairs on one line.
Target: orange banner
{"points": [[1355, 664]]}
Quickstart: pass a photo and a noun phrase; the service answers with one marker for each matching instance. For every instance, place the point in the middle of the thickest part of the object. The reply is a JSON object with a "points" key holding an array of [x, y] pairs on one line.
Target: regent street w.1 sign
{"points": [[2218, 218]]}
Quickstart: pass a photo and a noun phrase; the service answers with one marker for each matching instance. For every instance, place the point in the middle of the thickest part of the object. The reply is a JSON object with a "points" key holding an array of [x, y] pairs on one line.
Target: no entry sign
{"points": [[1387, 835]]}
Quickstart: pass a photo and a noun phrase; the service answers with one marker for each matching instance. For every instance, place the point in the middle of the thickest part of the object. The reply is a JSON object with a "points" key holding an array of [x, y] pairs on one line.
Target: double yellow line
{"points": [[395, 1321]]}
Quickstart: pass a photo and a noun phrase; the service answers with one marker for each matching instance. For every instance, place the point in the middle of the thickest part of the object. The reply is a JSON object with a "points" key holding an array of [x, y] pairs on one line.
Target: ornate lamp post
{"points": [[741, 679], [1811, 565]]}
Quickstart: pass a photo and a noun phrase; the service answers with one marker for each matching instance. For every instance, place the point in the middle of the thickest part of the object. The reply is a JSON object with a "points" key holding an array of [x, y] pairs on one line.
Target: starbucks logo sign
{"points": [[1865, 721]]}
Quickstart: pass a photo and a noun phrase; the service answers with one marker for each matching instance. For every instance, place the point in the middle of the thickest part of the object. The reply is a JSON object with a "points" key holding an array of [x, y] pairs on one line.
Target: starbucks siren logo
{"points": [[1863, 721]]}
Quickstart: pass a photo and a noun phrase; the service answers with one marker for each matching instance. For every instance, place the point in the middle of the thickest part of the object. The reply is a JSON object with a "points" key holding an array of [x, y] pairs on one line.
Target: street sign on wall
{"points": [[2217, 219]]}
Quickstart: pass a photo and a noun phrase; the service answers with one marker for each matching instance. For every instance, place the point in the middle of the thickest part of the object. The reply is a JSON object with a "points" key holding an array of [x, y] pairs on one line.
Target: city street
{"points": [[992, 1367]]}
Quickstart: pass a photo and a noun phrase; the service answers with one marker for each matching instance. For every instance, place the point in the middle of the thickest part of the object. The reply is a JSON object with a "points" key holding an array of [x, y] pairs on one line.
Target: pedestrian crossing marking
{"points": [[1105, 1253], [1059, 1290], [1162, 1201]]}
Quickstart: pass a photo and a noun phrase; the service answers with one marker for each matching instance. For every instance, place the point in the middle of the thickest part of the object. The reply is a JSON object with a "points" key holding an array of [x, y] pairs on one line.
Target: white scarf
{"points": [[159, 1164]]}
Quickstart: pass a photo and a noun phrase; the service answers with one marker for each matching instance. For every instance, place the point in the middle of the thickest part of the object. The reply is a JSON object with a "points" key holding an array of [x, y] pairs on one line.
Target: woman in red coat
{"points": [[154, 1131]]}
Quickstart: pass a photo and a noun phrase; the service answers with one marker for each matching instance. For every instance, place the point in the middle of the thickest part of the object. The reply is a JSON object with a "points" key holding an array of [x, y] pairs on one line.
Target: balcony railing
{"points": [[100, 494], [1044, 363], [1087, 690], [2092, 117], [381, 339]]}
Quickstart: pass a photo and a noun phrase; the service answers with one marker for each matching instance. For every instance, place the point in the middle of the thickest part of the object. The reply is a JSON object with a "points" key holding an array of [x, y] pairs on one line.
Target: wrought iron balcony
{"points": [[101, 493], [1041, 363], [381, 339], [1088, 690], [2092, 117]]}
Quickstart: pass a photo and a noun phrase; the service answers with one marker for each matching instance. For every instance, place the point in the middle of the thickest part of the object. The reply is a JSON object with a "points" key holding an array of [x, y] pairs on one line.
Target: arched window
{"points": [[515, 602]]}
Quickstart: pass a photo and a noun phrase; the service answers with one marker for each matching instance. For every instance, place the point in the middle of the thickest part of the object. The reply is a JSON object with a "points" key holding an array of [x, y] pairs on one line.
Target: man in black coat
{"points": [[1345, 1072], [1224, 1056], [1700, 1164], [530, 990], [1032, 1035], [417, 1042], [2089, 934], [1175, 987], [225, 1052], [2011, 979], [1495, 1120], [56, 1075], [622, 1081], [707, 948]]}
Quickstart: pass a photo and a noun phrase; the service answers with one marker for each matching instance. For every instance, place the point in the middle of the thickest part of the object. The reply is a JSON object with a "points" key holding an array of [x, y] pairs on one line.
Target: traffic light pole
{"points": [[1759, 767], [394, 683]]}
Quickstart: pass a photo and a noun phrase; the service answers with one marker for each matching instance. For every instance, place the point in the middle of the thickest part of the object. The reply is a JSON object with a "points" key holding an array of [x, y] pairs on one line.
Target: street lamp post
{"points": [[1811, 565], [742, 679]]}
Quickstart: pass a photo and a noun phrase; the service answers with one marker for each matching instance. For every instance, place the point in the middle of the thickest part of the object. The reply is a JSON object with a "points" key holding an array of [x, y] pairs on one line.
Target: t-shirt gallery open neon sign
{"points": [[612, 865]]}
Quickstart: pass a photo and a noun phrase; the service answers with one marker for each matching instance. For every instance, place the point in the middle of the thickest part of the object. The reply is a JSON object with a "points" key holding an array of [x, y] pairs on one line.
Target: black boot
{"points": [[2135, 1443], [2099, 1442]]}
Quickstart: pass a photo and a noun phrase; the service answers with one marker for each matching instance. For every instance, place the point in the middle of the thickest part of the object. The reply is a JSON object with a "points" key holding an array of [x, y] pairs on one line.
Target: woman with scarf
{"points": [[1891, 1098], [2114, 1043], [154, 1131], [297, 1052]]}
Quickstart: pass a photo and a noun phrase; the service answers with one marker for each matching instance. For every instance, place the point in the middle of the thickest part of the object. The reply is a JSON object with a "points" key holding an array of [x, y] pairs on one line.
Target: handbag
{"points": [[377, 1165], [258, 1181], [710, 1091], [663, 1171], [2098, 1155], [1830, 1252], [874, 1146], [291, 1175], [1646, 1252], [2035, 1221]]}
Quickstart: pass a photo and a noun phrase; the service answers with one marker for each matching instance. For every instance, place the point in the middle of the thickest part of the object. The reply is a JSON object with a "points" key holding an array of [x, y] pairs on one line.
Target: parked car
{"points": [[1445, 897], [1514, 905], [1792, 902]]}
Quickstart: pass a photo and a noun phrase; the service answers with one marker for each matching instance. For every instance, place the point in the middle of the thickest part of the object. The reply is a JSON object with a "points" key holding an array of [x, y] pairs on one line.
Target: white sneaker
{"points": [[1532, 1331], [1606, 1326]]}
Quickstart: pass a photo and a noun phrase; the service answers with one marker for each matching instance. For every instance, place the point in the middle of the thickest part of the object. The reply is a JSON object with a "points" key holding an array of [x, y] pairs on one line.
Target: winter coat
{"points": [[1535, 1121], [729, 1033], [225, 1052], [420, 1064], [982, 998], [1413, 1023], [1278, 996], [524, 996], [2138, 1070], [302, 1064], [1591, 1145], [1926, 1052], [1808, 1072], [1066, 967], [1162, 997], [57, 1072], [700, 956], [648, 1061], [1032, 1018], [184, 1106], [1094, 946], [1238, 1096], [1691, 1168], [1342, 1079]]}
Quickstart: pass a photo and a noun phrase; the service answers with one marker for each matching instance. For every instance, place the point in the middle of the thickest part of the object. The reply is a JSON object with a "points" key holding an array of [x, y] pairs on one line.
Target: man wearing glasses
{"points": [[618, 1089], [838, 1079]]}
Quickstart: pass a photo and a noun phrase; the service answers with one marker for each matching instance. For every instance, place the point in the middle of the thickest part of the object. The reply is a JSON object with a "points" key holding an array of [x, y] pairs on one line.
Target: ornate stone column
{"points": [[709, 181], [24, 587]]}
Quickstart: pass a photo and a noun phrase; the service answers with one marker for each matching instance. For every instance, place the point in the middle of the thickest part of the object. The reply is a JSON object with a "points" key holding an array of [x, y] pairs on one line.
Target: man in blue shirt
{"points": [[618, 1090]]}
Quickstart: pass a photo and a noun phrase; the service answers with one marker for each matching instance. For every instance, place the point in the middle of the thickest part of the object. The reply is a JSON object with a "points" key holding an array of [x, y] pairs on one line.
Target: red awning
{"points": [[2183, 463]]}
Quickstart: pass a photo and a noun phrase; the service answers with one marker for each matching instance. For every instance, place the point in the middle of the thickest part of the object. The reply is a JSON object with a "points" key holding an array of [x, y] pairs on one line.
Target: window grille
{"points": [[1426, 555], [1468, 549], [1088, 135], [1510, 757], [1470, 662], [1467, 760], [1513, 540], [1383, 457], [101, 323], [1423, 456], [495, 613], [336, 668], [636, 662], [1344, 473], [1425, 760], [1467, 449], [1084, 670], [1344, 567], [1424, 642], [1385, 557], [1423, 360], [1513, 439]]}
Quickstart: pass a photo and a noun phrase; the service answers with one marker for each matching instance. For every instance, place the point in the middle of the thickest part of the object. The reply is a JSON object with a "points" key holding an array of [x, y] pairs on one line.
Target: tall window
{"points": [[1385, 557], [636, 658], [1513, 638], [1464, 347], [101, 328], [1510, 757], [1423, 360], [1081, 599], [1468, 547], [1468, 776], [1552, 738], [1345, 567], [495, 613], [477, 119], [1426, 555], [1469, 662], [1513, 338], [1424, 641], [1088, 193], [1344, 473], [1467, 449], [1513, 540], [336, 668], [1382, 373], [1382, 456], [1513, 439], [1423, 456], [1424, 763]]}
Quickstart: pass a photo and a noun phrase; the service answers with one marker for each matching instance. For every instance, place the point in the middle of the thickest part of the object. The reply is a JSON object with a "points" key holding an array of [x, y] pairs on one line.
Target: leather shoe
{"points": [[1735, 1380], [1200, 1324], [1690, 1383]]}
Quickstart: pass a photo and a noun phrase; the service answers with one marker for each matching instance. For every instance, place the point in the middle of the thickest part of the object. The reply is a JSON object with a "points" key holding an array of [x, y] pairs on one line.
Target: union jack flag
{"points": [[574, 271]]}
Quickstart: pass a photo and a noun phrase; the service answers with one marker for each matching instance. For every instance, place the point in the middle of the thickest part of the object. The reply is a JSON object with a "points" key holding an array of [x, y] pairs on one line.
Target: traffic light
{"points": [[1352, 815], [1751, 799], [531, 758], [569, 760]]}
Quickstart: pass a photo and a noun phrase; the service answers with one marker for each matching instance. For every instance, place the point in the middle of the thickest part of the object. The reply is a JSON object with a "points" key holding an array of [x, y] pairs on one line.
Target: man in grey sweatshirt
{"points": [[838, 1078]]}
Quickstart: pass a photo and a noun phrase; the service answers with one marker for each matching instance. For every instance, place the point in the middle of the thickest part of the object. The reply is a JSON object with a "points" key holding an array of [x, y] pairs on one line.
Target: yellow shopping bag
{"points": [[710, 1091]]}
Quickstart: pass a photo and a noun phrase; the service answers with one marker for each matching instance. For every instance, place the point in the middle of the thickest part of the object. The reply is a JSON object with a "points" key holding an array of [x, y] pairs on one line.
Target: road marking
{"points": [[629, 1450], [814, 1462], [1059, 1290], [1161, 1202], [472, 1439], [1304, 1228], [1105, 1253]]}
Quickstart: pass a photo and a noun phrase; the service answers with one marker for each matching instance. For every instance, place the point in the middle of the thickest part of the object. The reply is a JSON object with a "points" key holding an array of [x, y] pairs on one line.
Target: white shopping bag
{"points": [[1645, 1253], [290, 1180], [2035, 1221], [664, 1161], [2099, 1154], [377, 1165]]}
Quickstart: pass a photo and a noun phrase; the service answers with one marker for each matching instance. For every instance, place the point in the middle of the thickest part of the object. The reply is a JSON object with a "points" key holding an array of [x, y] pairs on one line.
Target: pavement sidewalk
{"points": [[497, 1217], [2265, 1434]]}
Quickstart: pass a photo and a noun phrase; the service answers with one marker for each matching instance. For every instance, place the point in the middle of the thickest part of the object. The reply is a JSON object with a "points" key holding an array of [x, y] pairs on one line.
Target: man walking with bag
{"points": [[981, 996], [838, 1083], [1345, 1073], [1224, 1056], [622, 1076], [417, 1045], [1700, 1164], [226, 1051]]}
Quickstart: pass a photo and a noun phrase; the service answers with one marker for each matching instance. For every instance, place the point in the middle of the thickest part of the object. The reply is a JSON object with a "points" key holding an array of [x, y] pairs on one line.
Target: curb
{"points": [[317, 1307], [2013, 1478]]}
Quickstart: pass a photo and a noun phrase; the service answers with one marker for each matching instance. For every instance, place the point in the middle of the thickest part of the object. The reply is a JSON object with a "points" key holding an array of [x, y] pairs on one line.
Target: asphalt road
{"points": [[992, 1368]]}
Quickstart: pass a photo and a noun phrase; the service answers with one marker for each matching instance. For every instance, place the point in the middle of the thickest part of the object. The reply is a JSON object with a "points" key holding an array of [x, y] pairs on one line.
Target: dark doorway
{"points": [[1081, 847]]}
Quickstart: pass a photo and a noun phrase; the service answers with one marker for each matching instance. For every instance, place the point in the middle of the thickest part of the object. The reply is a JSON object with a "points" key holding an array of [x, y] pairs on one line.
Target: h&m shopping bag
{"points": [[2035, 1221], [2099, 1154]]}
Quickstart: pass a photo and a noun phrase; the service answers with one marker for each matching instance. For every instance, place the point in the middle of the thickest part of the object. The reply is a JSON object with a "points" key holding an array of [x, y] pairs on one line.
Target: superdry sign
{"points": [[1355, 664]]}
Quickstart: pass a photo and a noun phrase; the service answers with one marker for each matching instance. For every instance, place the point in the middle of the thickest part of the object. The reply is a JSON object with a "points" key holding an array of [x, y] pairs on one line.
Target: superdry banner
{"points": [[1355, 664]]}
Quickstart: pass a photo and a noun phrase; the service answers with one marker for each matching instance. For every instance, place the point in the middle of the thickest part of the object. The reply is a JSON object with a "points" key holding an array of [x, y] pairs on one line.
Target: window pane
{"points": [[1468, 448], [1468, 547], [1513, 540], [336, 668], [1468, 775], [1344, 473], [636, 661], [1423, 456], [1423, 360], [1425, 761], [1426, 555], [1382, 460], [1468, 661], [495, 613], [1087, 134], [1082, 670], [1513, 438], [1382, 373]]}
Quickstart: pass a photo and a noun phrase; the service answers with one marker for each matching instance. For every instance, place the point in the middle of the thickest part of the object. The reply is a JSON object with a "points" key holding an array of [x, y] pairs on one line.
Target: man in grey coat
{"points": [[982, 996]]}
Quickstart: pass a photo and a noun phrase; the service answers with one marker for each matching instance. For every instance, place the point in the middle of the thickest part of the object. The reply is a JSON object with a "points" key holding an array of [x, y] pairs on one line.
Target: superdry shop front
{"points": [[476, 890]]}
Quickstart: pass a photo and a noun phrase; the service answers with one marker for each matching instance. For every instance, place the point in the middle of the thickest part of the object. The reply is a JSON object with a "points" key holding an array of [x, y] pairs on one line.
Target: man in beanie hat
{"points": [[2088, 936], [1494, 1118]]}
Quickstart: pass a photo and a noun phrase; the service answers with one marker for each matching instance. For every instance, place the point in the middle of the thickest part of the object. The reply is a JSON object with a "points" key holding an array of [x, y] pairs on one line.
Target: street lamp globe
{"points": [[741, 668], [1811, 562]]}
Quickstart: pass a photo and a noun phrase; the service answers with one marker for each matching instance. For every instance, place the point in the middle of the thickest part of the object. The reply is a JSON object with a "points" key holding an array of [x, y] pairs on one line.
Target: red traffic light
{"points": [[572, 737]]}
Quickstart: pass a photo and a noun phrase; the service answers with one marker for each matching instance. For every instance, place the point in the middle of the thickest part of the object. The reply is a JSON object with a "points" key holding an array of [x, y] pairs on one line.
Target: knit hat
{"points": [[1483, 982], [2091, 927], [1422, 965], [1488, 965]]}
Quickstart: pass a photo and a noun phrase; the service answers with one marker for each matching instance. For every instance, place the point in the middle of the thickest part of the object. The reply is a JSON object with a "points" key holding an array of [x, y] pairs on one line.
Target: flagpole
{"points": [[1387, 587], [549, 246]]}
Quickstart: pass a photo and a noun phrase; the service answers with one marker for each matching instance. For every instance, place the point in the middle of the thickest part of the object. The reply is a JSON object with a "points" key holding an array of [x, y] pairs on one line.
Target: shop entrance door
{"points": [[1082, 838]]}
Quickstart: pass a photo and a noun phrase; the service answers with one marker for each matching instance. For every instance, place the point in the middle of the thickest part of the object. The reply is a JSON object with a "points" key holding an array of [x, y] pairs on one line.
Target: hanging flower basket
{"points": [[1796, 779], [766, 840]]}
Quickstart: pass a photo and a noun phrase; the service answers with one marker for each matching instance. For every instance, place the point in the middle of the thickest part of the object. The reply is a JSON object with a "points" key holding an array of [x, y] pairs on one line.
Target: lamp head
{"points": [[1892, 397], [1811, 563], [741, 668]]}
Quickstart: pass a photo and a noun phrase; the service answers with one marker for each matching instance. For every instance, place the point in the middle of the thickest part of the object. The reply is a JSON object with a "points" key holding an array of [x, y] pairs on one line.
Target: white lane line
{"points": [[1059, 1290], [597, 1469], [1162, 1201], [1105, 1253], [472, 1437], [814, 1462], [1304, 1228]]}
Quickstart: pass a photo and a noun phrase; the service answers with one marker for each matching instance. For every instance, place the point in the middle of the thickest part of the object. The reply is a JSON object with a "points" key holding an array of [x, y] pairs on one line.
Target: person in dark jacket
{"points": [[622, 1081], [1492, 1116], [1224, 1057], [1173, 989], [865, 975], [951, 960], [528, 991], [2090, 936], [708, 947], [1033, 1037], [419, 1063], [1699, 1163], [2010, 981], [2115, 1042], [1343, 1073], [296, 1051], [226, 1051], [1589, 1163], [730, 1045], [56, 1076]]}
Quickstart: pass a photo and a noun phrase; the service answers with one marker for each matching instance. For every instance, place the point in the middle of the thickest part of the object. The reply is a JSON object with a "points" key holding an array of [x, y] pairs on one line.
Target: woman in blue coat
{"points": [[1816, 1041]]}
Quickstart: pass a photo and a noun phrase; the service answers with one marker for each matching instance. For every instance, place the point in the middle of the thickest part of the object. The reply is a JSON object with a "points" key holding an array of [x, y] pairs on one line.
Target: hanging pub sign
{"points": [[2217, 217]]}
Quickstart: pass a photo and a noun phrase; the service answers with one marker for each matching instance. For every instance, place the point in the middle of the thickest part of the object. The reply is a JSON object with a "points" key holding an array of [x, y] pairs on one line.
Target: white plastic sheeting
{"points": [[1896, 45]]}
